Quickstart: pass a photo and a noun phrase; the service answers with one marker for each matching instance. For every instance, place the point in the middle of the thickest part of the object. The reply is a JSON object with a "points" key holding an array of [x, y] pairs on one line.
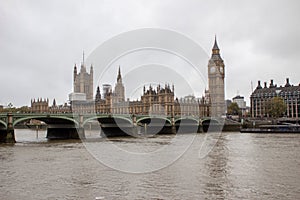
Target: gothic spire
{"points": [[82, 69], [216, 50], [119, 75], [98, 95], [216, 44]]}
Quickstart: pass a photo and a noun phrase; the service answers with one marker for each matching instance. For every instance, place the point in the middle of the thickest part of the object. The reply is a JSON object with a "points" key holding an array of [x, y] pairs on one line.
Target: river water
{"points": [[239, 166]]}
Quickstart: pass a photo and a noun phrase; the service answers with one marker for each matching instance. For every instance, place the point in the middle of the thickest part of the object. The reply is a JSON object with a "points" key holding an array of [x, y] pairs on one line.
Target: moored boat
{"points": [[289, 128]]}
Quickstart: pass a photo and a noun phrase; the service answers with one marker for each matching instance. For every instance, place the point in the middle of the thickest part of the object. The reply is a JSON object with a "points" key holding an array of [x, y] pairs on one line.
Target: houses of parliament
{"points": [[158, 100]]}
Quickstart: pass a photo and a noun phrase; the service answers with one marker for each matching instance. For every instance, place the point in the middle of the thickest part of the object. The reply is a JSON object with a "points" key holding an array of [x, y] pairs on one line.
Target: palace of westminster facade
{"points": [[159, 100]]}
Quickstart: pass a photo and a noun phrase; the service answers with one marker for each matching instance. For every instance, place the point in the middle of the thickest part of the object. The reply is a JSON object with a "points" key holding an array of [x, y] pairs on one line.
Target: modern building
{"points": [[216, 75], [261, 97], [239, 100]]}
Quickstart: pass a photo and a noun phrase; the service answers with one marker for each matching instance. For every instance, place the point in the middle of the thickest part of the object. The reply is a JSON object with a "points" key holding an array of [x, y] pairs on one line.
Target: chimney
{"points": [[287, 83], [258, 85], [271, 84], [265, 84]]}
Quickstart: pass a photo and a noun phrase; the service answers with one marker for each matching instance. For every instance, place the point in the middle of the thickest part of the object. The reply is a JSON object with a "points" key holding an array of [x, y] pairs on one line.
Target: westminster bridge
{"points": [[71, 126]]}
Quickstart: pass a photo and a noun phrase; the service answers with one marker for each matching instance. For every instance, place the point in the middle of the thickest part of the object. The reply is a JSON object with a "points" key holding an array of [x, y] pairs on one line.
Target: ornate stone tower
{"points": [[83, 81], [216, 75], [98, 95], [119, 88]]}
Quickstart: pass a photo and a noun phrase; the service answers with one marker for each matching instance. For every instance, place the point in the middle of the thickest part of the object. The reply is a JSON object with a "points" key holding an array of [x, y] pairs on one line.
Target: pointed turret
{"points": [[75, 69], [119, 78], [215, 49], [98, 94], [119, 88], [82, 69], [91, 69], [215, 44]]}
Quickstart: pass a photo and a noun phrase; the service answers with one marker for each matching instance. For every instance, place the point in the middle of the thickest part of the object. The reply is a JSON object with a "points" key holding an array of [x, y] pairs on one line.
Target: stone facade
{"points": [[156, 100], [40, 105], [262, 95], [159, 100], [64, 108], [216, 75], [83, 81]]}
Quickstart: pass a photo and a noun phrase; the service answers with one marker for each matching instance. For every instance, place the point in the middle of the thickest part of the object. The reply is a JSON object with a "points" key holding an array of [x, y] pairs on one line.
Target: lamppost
{"points": [[277, 95], [297, 109]]}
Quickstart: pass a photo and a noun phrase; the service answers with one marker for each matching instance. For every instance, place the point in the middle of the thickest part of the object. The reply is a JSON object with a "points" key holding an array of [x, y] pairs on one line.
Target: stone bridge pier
{"points": [[7, 133], [66, 131]]}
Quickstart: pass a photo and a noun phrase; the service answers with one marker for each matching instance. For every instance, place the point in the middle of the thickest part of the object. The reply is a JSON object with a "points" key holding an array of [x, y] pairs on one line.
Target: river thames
{"points": [[239, 166]]}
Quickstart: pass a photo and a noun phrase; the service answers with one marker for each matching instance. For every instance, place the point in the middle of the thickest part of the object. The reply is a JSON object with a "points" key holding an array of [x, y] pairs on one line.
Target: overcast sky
{"points": [[40, 41]]}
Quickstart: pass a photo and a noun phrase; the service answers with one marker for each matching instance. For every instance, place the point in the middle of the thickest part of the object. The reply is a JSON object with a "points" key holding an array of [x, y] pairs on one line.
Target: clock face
{"points": [[212, 70]]}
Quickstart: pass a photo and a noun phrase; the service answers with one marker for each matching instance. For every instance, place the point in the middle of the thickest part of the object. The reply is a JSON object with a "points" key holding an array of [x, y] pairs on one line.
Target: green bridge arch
{"points": [[41, 117], [156, 117], [187, 118], [128, 119], [209, 120], [3, 123]]}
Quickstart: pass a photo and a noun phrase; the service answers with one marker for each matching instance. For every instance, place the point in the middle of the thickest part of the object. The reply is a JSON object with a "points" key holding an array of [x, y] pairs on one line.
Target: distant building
{"points": [[40, 105], [192, 106], [64, 108], [188, 105], [159, 101], [262, 95], [239, 100]]}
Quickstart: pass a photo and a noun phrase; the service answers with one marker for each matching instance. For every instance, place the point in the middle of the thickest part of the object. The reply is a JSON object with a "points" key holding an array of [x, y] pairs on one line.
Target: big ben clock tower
{"points": [[216, 75]]}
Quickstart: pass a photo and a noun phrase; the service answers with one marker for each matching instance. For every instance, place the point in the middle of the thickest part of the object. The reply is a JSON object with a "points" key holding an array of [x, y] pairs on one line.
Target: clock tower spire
{"points": [[216, 75]]}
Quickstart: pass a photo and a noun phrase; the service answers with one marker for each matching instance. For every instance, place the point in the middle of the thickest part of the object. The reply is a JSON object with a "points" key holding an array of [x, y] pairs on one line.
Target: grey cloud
{"points": [[41, 40]]}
